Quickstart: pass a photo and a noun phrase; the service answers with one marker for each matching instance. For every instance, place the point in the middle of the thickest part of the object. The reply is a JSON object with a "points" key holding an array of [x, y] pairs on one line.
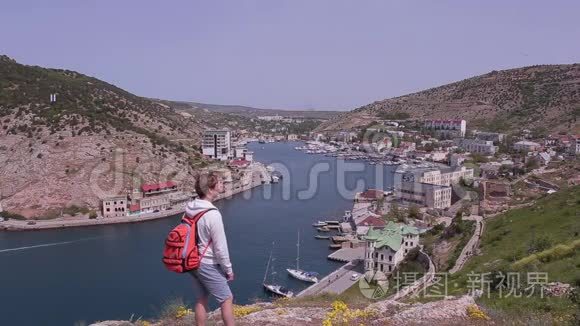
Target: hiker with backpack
{"points": [[198, 246]]}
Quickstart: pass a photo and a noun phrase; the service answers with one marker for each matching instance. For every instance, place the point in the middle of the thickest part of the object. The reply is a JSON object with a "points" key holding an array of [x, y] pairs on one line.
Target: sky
{"points": [[295, 54]]}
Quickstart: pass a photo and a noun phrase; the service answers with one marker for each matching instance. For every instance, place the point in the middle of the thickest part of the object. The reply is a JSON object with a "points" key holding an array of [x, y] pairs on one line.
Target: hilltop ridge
{"points": [[536, 97]]}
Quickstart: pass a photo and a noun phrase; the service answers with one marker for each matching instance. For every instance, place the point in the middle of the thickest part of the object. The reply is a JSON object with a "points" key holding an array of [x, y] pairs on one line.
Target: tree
{"points": [[92, 215], [414, 212]]}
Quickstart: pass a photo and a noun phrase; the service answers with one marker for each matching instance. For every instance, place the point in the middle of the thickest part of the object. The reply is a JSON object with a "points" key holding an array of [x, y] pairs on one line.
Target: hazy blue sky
{"points": [[287, 54]]}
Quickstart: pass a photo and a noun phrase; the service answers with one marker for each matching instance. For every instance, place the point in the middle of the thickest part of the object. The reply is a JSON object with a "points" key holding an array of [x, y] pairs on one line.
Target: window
{"points": [[390, 258], [108, 209], [390, 268], [382, 267], [382, 257]]}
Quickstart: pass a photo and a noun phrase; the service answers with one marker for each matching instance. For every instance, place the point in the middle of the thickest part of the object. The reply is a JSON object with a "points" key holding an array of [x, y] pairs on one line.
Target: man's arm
{"points": [[220, 243]]}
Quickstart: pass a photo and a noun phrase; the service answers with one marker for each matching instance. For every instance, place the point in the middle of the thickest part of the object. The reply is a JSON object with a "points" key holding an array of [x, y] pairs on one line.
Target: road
{"points": [[336, 282]]}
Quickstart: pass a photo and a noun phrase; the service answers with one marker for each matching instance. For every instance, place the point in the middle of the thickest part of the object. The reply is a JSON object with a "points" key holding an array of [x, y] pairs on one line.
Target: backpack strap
{"points": [[196, 219]]}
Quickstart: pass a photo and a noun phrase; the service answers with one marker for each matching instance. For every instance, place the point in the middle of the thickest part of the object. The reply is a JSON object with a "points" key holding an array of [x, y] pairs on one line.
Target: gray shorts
{"points": [[210, 279]]}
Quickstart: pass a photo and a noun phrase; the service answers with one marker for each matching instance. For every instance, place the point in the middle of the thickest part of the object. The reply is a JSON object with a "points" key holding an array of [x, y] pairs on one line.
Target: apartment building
{"points": [[216, 144], [485, 147], [451, 128]]}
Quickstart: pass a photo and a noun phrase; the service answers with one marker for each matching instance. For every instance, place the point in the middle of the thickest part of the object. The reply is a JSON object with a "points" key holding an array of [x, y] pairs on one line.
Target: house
{"points": [[423, 194], [369, 195], [115, 206], [526, 146], [158, 188], [239, 164], [216, 144], [447, 127], [385, 248], [154, 203], [292, 137]]}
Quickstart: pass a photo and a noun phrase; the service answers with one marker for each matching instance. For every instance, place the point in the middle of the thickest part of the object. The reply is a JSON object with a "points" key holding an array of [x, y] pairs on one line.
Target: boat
{"points": [[323, 229], [275, 179], [321, 237], [335, 246], [332, 222], [275, 288], [319, 223], [339, 239], [299, 273], [279, 290]]}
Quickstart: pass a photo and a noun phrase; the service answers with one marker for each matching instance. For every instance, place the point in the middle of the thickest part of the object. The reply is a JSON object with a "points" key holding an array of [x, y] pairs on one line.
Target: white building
{"points": [[386, 248], [216, 144], [447, 127], [115, 206], [485, 147], [444, 176], [495, 137], [292, 137], [526, 146]]}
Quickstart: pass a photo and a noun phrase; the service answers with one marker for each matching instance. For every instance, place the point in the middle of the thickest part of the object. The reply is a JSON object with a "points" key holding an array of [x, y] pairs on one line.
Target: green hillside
{"points": [[542, 238]]}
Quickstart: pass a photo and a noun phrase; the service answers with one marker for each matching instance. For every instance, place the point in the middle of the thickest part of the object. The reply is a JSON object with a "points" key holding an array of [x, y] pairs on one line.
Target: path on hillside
{"points": [[471, 245], [420, 284]]}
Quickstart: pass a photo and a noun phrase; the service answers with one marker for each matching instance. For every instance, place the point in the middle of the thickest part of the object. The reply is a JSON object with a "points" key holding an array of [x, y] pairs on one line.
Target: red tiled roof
{"points": [[372, 221], [240, 162], [158, 186], [372, 193]]}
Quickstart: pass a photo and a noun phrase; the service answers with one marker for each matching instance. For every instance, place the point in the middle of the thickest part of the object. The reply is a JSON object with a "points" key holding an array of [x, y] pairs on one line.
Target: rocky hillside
{"points": [[94, 141], [536, 97]]}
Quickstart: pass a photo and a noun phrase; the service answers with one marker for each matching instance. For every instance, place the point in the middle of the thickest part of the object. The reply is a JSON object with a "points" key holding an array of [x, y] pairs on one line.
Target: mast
{"points": [[298, 252], [268, 265]]}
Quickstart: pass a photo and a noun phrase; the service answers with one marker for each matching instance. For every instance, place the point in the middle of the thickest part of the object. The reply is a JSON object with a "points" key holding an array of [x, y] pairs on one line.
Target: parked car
{"points": [[354, 277], [31, 223], [156, 211]]}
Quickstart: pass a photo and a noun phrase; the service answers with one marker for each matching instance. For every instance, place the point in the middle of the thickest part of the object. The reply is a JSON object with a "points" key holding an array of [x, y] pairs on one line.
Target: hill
{"points": [[546, 98], [541, 238], [256, 112], [95, 140]]}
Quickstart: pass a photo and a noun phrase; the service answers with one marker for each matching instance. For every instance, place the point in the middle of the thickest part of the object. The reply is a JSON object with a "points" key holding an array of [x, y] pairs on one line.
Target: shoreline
{"points": [[23, 226]]}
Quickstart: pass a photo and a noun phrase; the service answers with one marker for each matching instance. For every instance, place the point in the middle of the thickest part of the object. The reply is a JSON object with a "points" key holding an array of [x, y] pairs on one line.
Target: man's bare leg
{"points": [[200, 311], [227, 308]]}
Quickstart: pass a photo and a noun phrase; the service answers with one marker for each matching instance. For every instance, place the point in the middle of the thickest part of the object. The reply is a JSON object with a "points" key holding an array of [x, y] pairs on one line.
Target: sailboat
{"points": [[298, 273], [273, 288]]}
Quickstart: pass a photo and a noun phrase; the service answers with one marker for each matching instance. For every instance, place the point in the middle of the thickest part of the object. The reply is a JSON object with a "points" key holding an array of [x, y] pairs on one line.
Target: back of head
{"points": [[205, 182]]}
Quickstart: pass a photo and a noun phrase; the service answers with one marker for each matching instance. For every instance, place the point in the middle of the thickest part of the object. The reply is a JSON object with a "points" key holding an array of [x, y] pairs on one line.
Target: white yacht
{"points": [[298, 273]]}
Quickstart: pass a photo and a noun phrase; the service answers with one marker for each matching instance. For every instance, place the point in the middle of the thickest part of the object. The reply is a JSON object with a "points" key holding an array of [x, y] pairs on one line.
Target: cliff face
{"points": [[94, 140], [531, 97]]}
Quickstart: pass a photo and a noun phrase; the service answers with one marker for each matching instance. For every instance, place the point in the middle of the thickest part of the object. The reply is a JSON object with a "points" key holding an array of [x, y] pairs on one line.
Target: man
{"points": [[215, 270]]}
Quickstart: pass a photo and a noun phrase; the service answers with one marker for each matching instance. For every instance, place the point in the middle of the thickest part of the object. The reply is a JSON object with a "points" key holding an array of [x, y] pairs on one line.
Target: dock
{"points": [[339, 280]]}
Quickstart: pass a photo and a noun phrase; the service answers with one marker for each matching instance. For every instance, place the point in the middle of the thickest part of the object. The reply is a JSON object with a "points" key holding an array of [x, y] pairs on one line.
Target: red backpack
{"points": [[181, 252]]}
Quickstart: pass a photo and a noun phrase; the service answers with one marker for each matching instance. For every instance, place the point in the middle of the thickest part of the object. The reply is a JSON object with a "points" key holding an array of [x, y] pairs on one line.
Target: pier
{"points": [[339, 280]]}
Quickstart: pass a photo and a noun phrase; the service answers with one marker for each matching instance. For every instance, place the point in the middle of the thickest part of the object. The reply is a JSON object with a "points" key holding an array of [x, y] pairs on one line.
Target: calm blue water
{"points": [[112, 272]]}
